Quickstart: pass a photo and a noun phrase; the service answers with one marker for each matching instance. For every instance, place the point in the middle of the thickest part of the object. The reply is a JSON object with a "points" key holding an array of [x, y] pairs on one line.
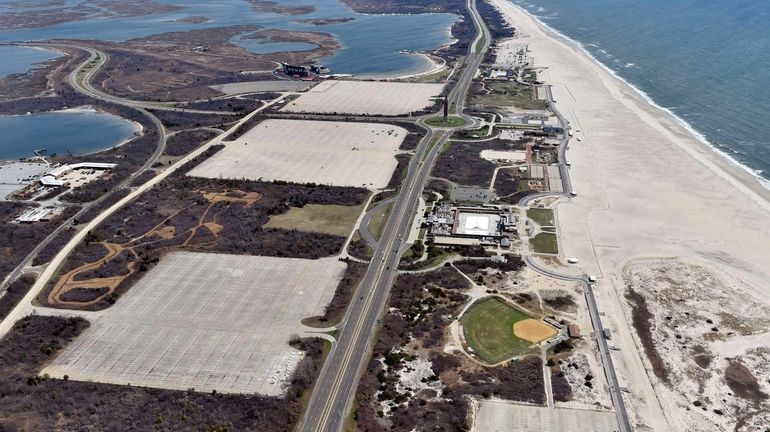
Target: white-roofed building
{"points": [[56, 176]]}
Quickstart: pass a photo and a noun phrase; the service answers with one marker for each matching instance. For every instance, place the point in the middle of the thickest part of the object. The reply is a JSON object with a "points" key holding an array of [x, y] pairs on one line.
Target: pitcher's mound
{"points": [[533, 330]]}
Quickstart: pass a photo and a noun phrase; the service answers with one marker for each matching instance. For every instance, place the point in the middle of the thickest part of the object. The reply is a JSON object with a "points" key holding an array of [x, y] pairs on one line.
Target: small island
{"points": [[196, 19], [325, 21]]}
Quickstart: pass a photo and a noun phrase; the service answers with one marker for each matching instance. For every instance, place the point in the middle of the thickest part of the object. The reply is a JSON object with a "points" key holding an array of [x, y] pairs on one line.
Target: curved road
{"points": [[83, 85], [96, 60], [24, 306]]}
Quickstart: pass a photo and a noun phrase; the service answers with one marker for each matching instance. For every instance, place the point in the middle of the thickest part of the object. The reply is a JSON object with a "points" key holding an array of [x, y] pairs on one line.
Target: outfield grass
{"points": [[329, 219], [452, 121], [488, 330], [377, 222], [544, 243], [542, 217]]}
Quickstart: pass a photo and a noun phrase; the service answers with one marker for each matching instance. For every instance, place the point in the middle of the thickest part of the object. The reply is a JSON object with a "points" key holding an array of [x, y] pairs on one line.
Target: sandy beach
{"points": [[648, 188], [427, 66]]}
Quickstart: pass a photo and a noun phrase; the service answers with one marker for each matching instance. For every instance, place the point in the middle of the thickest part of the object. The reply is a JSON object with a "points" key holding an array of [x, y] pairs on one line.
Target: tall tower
{"points": [[446, 109]]}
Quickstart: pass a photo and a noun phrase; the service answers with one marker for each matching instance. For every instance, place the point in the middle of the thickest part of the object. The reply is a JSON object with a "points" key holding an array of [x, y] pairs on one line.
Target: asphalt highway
{"points": [[335, 387]]}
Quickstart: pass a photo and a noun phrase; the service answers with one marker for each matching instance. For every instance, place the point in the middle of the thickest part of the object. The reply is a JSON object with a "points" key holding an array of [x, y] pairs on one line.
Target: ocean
{"points": [[704, 60]]}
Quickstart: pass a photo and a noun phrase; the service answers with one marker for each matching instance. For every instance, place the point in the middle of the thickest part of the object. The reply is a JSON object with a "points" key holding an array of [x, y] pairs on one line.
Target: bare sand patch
{"points": [[696, 338], [248, 198], [505, 156], [366, 97], [533, 330], [205, 321], [687, 202], [332, 153]]}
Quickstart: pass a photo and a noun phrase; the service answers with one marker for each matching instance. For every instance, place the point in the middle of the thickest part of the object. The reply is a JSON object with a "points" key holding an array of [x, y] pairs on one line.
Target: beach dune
{"points": [[647, 187]]}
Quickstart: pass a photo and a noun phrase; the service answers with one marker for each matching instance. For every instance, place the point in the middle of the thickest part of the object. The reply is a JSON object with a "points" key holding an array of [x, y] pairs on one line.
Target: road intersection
{"points": [[335, 387]]}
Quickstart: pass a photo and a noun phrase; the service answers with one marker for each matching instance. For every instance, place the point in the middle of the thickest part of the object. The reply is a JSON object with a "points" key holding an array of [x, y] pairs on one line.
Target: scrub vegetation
{"points": [[188, 213], [414, 329], [33, 402], [460, 162]]}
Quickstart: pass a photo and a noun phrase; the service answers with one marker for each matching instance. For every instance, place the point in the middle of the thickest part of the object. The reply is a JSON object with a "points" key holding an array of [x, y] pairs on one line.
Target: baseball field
{"points": [[496, 331]]}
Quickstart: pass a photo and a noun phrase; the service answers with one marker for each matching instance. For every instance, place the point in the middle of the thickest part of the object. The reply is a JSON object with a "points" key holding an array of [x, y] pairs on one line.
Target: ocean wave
{"points": [[756, 173]]}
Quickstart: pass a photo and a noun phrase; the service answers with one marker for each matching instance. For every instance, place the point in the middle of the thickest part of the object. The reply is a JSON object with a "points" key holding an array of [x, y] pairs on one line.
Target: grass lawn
{"points": [[488, 330], [328, 219], [433, 77], [377, 222], [544, 243], [542, 217], [472, 133], [508, 93], [452, 121], [480, 44]]}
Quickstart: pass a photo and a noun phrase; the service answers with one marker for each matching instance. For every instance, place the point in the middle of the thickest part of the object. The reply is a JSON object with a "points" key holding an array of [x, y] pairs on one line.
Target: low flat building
{"points": [[471, 225], [295, 70], [573, 331], [53, 178], [319, 69], [37, 214]]}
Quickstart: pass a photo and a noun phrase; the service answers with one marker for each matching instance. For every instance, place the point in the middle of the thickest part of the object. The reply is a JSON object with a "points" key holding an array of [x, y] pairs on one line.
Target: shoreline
{"points": [[650, 188], [85, 109], [428, 67], [723, 160], [37, 65]]}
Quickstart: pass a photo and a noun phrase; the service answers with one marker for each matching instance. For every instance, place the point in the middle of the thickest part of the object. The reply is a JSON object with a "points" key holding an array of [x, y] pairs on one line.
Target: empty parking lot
{"points": [[366, 97], [502, 416], [205, 321], [331, 153]]}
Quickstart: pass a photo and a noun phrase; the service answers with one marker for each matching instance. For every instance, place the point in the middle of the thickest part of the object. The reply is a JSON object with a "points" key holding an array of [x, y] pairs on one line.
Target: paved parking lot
{"points": [[502, 416], [330, 153], [366, 97], [205, 321], [16, 175]]}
